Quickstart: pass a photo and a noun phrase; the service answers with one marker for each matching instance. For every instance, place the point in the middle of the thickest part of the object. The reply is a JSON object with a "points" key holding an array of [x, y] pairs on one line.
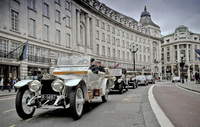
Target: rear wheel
{"points": [[22, 98], [77, 102]]}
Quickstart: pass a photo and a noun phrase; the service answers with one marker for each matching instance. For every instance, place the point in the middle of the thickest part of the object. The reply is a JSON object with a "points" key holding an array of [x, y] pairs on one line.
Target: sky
{"points": [[168, 14]]}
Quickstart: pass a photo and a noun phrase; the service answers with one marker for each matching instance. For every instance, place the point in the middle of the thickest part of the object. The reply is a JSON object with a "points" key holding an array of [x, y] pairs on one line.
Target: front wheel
{"points": [[77, 102], [105, 97], [121, 88], [22, 98]]}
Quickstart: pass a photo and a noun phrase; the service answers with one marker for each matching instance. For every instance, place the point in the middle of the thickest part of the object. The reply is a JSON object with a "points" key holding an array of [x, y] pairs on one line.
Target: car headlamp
{"points": [[35, 85], [57, 85], [114, 79]]}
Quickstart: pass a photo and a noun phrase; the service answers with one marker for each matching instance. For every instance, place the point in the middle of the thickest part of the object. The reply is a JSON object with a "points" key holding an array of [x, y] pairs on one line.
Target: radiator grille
{"points": [[46, 88]]}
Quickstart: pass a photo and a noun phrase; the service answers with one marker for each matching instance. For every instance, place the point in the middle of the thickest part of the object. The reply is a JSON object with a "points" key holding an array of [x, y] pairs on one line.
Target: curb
{"points": [[189, 89]]}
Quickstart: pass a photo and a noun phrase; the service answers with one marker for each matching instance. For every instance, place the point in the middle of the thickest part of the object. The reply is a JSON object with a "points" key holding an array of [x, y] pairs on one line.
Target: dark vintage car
{"points": [[151, 79], [119, 82], [131, 78], [142, 80], [176, 79]]}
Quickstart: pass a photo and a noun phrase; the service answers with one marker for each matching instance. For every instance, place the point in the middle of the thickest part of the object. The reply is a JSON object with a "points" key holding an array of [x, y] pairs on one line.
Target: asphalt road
{"points": [[182, 107], [131, 109]]}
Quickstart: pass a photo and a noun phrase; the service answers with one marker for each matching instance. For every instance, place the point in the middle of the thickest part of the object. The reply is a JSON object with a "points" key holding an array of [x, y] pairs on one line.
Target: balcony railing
{"points": [[38, 59]]}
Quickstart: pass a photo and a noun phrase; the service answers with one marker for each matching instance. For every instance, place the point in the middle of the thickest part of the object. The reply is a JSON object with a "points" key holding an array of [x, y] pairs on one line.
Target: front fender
{"points": [[22, 83], [119, 80], [72, 82]]}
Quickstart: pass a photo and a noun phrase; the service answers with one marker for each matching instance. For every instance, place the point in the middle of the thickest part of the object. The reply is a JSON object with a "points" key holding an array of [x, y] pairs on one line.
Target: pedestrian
{"points": [[186, 77], [9, 85], [18, 79], [2, 84], [197, 77], [14, 81]]}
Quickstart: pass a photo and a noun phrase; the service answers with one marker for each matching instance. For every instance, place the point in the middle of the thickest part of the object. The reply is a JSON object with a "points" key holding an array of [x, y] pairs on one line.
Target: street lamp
{"points": [[133, 50], [182, 65]]}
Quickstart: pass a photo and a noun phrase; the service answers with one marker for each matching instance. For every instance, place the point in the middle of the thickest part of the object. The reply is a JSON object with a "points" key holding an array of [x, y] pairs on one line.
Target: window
{"points": [[97, 34], [102, 25], [127, 44], [118, 54], [30, 53], [57, 1], [131, 37], [67, 21], [32, 4], [13, 48], [68, 40], [122, 33], [103, 36], [118, 32], [46, 10], [108, 39], [113, 41], [57, 16], [46, 32], [123, 44], [127, 36], [108, 51], [97, 22], [14, 20], [127, 55], [123, 55], [144, 58], [57, 36], [97, 49], [103, 50], [118, 42], [163, 49], [67, 6], [108, 28], [114, 53], [113, 30], [144, 49], [32, 27]]}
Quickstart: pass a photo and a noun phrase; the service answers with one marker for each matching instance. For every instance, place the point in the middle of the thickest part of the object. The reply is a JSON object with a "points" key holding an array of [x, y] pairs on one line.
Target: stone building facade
{"points": [[55, 28], [180, 47]]}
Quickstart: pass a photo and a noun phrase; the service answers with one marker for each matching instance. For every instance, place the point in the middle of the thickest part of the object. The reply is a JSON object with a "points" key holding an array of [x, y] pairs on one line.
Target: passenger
{"points": [[93, 67], [100, 68]]}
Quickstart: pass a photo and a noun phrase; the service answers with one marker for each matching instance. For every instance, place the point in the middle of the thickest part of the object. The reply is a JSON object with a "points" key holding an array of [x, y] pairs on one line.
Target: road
{"points": [[131, 109], [182, 107]]}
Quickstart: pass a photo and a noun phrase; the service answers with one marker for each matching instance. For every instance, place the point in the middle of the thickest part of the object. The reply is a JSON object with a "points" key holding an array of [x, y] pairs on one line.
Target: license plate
{"points": [[49, 96]]}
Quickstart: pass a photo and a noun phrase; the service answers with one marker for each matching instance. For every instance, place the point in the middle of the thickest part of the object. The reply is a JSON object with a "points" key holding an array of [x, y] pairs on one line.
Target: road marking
{"points": [[160, 115], [12, 125], [186, 89], [126, 99], [31, 118], [7, 98], [9, 110]]}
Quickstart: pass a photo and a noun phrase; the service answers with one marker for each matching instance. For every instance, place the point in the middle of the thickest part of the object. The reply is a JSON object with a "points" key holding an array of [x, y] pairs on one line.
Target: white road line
{"points": [[186, 89], [7, 98], [160, 115], [9, 110]]}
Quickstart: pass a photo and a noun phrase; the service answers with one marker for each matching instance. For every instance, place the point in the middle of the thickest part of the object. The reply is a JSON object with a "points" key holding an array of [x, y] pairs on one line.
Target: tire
{"points": [[134, 85], [77, 105], [121, 88], [22, 98], [105, 97]]}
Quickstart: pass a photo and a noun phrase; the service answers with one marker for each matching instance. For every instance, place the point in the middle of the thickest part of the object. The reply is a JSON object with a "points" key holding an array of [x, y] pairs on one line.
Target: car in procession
{"points": [[131, 75], [142, 80], [151, 79], [118, 80], [71, 85], [176, 79]]}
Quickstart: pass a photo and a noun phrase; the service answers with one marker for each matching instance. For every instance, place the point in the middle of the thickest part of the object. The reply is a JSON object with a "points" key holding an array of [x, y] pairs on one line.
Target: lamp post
{"points": [[182, 65], [133, 50]]}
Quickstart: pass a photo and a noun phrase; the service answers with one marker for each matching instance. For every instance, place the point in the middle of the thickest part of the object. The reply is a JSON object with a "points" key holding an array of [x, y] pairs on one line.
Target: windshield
{"points": [[149, 77], [175, 78], [140, 77], [74, 60], [116, 72]]}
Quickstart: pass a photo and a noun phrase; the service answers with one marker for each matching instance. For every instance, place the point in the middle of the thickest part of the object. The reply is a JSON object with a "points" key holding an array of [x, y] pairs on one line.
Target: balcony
{"points": [[38, 59]]}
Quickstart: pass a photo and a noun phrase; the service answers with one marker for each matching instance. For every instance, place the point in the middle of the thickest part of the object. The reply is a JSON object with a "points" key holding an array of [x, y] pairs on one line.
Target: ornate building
{"points": [[66, 27], [177, 47]]}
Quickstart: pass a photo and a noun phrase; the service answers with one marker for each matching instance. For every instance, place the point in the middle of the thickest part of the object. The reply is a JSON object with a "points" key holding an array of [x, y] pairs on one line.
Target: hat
{"points": [[92, 60], [98, 61]]}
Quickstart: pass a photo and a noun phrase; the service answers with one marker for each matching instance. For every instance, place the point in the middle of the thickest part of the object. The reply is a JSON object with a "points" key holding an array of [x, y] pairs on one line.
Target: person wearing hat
{"points": [[100, 68], [93, 67]]}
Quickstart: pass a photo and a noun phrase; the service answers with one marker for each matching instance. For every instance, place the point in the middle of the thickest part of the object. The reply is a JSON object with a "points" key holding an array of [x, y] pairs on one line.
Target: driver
{"points": [[100, 68], [93, 67]]}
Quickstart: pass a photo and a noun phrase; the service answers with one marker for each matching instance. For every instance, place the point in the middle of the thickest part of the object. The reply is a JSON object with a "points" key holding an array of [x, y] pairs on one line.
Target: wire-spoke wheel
{"points": [[22, 98], [77, 102]]}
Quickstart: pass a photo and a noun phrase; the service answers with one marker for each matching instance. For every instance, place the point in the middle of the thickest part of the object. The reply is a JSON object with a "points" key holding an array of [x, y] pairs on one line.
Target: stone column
{"points": [[23, 69], [187, 53], [188, 72], [172, 73], [78, 26], [178, 53], [87, 31]]}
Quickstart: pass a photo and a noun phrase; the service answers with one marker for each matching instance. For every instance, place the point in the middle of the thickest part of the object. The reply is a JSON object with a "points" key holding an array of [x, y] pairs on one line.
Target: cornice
{"points": [[117, 18]]}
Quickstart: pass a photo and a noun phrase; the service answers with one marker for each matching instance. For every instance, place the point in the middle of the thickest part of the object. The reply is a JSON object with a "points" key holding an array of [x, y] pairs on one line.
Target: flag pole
{"points": [[16, 49]]}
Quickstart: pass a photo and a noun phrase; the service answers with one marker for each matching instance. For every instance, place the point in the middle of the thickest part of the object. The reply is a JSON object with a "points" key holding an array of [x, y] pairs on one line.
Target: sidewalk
{"points": [[6, 93], [190, 85]]}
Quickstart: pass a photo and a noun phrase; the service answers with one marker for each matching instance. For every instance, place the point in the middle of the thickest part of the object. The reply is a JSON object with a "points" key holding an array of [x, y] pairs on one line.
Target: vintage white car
{"points": [[71, 85]]}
